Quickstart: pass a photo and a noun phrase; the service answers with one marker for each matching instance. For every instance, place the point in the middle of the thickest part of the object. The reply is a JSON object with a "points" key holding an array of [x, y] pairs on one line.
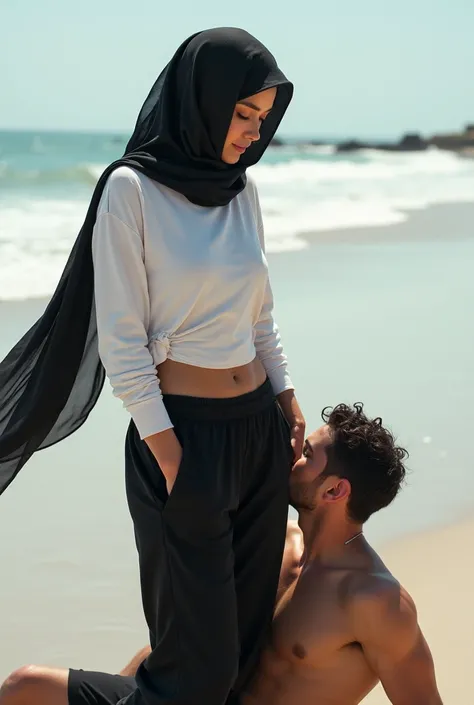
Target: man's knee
{"points": [[26, 685], [19, 683]]}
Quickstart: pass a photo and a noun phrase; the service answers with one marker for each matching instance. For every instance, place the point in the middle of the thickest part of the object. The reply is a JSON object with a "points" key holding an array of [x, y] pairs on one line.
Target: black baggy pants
{"points": [[210, 552]]}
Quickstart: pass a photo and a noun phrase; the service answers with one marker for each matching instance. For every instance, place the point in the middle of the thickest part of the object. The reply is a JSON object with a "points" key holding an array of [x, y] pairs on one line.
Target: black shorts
{"points": [[95, 688]]}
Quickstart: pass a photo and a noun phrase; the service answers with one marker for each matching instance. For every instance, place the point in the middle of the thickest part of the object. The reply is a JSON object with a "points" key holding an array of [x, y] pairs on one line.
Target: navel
{"points": [[299, 651]]}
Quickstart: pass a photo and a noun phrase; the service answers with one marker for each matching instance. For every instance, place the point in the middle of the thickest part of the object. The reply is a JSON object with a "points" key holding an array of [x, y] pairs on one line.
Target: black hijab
{"points": [[51, 380]]}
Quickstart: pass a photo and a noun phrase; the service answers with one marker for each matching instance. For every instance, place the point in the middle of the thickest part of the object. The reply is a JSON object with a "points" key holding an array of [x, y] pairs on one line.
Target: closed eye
{"points": [[244, 117]]}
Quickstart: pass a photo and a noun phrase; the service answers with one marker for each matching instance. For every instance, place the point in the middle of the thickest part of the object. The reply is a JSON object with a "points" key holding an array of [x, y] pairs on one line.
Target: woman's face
{"points": [[244, 128]]}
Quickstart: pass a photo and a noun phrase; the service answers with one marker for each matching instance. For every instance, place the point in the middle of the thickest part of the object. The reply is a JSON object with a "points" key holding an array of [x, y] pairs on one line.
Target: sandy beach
{"points": [[379, 315]]}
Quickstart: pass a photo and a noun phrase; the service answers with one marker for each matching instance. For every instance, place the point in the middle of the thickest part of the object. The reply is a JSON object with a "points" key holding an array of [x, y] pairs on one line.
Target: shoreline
{"points": [[421, 225], [428, 224]]}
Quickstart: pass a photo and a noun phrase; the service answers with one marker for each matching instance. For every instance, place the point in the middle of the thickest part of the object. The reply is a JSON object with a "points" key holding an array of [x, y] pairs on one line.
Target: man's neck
{"points": [[327, 541]]}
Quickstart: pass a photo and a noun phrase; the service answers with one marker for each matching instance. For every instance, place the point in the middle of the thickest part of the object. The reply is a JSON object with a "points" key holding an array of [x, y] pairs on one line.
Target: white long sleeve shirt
{"points": [[179, 281]]}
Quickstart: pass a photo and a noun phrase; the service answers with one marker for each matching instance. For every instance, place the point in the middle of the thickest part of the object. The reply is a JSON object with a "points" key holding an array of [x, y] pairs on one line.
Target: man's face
{"points": [[306, 483]]}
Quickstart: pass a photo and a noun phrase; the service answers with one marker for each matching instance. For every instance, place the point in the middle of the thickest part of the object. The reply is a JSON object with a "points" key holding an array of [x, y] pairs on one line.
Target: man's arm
{"points": [[386, 626], [291, 558]]}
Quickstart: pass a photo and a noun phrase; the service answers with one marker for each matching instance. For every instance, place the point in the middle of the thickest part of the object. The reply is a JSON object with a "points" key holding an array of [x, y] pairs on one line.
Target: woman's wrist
{"points": [[290, 407], [292, 412], [166, 450]]}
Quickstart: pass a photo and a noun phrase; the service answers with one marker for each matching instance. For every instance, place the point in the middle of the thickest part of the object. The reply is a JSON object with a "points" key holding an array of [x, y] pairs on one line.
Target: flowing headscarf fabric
{"points": [[51, 380]]}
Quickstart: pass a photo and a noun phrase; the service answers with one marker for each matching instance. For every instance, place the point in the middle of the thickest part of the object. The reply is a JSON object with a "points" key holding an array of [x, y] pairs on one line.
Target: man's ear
{"points": [[338, 489]]}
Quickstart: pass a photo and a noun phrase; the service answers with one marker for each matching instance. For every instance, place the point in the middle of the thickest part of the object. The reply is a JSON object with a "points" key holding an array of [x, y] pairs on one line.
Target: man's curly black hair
{"points": [[365, 453]]}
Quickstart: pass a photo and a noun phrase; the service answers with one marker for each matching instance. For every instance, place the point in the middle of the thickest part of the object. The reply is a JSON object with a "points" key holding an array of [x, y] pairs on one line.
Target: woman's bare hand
{"points": [[168, 454]]}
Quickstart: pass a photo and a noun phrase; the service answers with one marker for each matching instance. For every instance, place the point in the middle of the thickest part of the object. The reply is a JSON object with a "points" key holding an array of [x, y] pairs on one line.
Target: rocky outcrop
{"points": [[454, 141], [352, 146], [411, 142]]}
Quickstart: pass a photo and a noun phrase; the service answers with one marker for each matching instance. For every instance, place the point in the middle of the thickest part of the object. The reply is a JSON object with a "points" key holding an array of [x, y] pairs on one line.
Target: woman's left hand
{"points": [[295, 418], [298, 429]]}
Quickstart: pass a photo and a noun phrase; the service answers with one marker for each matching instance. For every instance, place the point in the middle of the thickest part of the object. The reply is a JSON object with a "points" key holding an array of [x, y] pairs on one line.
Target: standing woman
{"points": [[168, 283]]}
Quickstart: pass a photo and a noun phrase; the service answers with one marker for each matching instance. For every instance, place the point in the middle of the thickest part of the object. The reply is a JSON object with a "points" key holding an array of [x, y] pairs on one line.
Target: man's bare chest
{"points": [[311, 623]]}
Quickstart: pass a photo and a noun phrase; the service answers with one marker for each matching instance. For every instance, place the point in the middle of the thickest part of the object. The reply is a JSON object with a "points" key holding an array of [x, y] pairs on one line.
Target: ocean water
{"points": [[46, 180]]}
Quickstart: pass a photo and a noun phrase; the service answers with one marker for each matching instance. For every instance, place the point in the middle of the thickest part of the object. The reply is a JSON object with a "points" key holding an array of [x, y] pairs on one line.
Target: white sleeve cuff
{"points": [[280, 379], [150, 416]]}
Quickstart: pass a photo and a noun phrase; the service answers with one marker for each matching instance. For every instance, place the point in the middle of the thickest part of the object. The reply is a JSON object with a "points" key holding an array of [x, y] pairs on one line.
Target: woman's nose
{"points": [[253, 131]]}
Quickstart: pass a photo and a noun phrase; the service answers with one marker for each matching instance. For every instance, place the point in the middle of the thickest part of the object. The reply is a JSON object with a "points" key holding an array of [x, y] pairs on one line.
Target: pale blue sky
{"points": [[360, 67]]}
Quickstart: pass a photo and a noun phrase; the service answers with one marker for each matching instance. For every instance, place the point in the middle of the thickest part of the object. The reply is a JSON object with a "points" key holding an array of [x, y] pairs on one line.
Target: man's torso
{"points": [[313, 656]]}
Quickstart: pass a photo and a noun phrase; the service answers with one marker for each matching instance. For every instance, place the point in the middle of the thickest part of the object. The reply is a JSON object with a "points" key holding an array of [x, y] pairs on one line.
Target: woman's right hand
{"points": [[168, 454]]}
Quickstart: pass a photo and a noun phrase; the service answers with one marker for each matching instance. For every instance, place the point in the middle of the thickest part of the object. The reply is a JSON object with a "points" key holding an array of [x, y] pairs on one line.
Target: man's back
{"points": [[322, 650]]}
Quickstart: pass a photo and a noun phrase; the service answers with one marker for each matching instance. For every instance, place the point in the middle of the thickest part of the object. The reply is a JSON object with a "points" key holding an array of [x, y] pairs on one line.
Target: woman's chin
{"points": [[231, 158]]}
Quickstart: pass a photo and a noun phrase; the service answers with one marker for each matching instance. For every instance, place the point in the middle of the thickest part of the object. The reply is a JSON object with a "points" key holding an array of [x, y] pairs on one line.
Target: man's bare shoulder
{"points": [[376, 599]]}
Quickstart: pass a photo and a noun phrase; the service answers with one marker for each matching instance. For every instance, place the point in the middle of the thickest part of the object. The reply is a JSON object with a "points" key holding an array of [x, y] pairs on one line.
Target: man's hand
{"points": [[291, 410], [386, 626]]}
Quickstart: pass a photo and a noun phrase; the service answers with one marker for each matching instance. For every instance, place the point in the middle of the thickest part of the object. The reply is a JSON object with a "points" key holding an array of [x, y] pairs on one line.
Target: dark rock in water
{"points": [[277, 142], [411, 142], [351, 146]]}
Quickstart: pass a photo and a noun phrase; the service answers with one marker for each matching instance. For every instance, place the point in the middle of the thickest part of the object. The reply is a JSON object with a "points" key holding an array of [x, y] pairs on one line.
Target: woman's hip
{"points": [[229, 446]]}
